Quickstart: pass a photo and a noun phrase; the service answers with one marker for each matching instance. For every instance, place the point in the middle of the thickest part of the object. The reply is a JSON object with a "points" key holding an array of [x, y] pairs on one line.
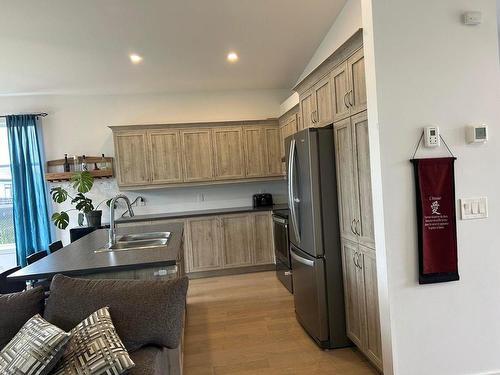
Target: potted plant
{"points": [[82, 182]]}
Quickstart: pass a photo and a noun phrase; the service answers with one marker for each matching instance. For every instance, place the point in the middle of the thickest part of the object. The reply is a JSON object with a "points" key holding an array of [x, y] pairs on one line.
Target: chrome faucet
{"points": [[112, 235]]}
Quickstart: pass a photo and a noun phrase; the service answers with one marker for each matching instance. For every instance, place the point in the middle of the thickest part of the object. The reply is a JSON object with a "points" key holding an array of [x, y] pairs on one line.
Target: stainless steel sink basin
{"points": [[144, 236], [138, 242]]}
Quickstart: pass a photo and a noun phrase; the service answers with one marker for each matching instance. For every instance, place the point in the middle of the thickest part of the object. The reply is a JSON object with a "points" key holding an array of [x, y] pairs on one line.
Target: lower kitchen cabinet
{"points": [[228, 241], [361, 299]]}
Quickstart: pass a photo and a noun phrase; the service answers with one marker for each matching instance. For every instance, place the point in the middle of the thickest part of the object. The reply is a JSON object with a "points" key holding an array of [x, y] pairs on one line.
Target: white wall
{"points": [[78, 124], [425, 67], [345, 25]]}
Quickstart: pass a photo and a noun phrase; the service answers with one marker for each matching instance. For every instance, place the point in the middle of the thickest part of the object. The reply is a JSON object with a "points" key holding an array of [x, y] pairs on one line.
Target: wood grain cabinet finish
{"points": [[272, 136], [197, 154], [340, 88], [131, 152], [357, 82], [288, 126], [362, 180], [165, 156], [373, 340], [255, 151], [306, 109], [323, 107], [228, 153], [203, 248], [263, 238], [237, 240]]}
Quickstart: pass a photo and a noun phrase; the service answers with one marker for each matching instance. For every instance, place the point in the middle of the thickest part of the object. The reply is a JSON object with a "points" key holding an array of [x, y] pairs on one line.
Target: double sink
{"points": [[139, 241]]}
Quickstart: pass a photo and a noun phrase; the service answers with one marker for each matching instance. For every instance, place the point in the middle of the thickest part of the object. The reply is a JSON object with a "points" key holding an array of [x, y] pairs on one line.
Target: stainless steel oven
{"points": [[282, 248]]}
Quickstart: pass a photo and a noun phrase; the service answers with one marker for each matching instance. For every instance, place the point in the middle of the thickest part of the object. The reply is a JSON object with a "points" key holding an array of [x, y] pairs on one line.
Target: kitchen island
{"points": [[80, 259]]}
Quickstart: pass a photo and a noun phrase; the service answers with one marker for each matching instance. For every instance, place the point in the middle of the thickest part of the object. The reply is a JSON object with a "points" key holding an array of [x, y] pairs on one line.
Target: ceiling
{"points": [[70, 46]]}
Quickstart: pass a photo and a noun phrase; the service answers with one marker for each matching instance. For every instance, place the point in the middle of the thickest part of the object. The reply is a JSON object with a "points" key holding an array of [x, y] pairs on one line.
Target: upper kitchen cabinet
{"points": [[165, 156], [197, 154], [288, 126], [152, 156], [131, 153], [322, 96], [340, 84], [228, 153], [357, 82], [307, 109]]}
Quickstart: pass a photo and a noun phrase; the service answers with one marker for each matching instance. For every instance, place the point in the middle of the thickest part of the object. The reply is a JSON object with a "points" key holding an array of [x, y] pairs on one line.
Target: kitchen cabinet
{"points": [[222, 242], [203, 250], [346, 187], [307, 109], [165, 156], [132, 158], [361, 299], [349, 87], [288, 126], [322, 95], [237, 240], [153, 156], [197, 154], [228, 153]]}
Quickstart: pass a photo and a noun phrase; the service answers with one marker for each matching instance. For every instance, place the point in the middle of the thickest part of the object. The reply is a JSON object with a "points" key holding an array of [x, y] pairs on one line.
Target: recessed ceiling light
{"points": [[135, 58], [232, 57]]}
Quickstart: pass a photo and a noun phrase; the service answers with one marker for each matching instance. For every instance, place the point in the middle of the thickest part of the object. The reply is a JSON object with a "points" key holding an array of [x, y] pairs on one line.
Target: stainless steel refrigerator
{"points": [[315, 236]]}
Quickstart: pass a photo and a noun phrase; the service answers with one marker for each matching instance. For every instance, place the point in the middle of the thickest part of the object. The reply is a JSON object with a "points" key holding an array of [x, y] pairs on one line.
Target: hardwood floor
{"points": [[245, 324]]}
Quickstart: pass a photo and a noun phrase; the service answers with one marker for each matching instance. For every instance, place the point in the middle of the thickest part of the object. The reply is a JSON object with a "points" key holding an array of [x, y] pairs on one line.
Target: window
{"points": [[7, 241]]}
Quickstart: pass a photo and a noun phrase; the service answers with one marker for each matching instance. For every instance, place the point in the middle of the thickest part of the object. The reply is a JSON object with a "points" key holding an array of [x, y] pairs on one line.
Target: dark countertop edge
{"points": [[127, 267], [208, 212]]}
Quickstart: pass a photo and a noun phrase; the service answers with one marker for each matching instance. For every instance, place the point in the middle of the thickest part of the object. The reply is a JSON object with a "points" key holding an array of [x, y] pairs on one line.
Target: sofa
{"points": [[148, 315]]}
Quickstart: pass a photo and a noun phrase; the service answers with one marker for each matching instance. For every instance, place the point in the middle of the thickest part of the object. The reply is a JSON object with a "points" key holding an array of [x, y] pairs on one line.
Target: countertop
{"points": [[208, 212], [78, 258]]}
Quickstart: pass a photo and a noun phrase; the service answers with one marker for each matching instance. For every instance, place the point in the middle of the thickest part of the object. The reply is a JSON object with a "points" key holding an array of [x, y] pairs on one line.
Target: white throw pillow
{"points": [[34, 350], [94, 348]]}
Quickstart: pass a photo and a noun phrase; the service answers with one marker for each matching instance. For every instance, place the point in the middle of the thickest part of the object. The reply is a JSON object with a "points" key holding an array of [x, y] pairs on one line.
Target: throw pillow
{"points": [[16, 309], [94, 348], [34, 350]]}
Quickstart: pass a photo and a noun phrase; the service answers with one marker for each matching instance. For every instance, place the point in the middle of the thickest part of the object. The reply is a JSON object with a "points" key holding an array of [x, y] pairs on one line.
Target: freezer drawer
{"points": [[309, 294]]}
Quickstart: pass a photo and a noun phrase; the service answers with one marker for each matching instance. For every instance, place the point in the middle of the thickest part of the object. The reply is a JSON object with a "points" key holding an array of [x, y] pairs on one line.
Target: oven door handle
{"points": [[280, 220]]}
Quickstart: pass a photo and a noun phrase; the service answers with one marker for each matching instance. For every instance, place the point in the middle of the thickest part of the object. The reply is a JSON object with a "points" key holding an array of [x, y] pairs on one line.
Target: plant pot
{"points": [[94, 218]]}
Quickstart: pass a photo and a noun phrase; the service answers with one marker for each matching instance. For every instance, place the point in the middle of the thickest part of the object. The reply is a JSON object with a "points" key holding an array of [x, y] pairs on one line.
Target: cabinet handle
{"points": [[359, 264], [345, 99], [354, 259], [312, 117], [356, 227], [351, 101], [352, 228]]}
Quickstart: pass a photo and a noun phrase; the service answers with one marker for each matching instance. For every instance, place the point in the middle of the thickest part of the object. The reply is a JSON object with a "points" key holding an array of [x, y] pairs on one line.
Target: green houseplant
{"points": [[82, 182]]}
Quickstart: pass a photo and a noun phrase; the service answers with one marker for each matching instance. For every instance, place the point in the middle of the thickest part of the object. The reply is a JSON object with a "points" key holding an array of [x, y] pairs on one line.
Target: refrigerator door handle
{"points": [[291, 193], [299, 259]]}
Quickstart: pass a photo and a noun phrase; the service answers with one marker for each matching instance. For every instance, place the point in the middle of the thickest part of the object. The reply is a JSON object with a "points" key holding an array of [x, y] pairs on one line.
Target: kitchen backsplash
{"points": [[172, 199]]}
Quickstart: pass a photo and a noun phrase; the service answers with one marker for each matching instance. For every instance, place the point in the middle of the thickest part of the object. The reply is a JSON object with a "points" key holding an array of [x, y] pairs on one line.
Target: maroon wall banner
{"points": [[437, 223]]}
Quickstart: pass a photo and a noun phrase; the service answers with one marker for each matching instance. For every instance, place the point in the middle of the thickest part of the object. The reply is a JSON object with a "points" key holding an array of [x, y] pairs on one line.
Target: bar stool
{"points": [[54, 246]]}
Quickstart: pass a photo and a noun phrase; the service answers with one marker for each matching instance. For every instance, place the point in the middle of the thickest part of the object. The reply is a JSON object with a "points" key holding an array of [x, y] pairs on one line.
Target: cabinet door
{"points": [[323, 102], [131, 152], [306, 109], [197, 155], [236, 240], [203, 244], [165, 156], [362, 180], [228, 153], [353, 293], [289, 128], [273, 151], [357, 82], [255, 152], [373, 341], [263, 238], [340, 86], [345, 178]]}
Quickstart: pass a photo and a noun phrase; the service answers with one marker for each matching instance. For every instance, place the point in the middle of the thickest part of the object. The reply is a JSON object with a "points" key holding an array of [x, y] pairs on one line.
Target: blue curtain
{"points": [[31, 216]]}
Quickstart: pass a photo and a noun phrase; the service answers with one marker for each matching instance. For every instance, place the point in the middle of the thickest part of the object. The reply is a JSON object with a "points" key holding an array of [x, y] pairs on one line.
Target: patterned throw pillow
{"points": [[94, 348], [34, 350]]}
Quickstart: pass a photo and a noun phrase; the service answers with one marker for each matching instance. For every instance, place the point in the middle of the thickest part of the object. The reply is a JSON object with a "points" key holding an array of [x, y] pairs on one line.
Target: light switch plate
{"points": [[474, 208]]}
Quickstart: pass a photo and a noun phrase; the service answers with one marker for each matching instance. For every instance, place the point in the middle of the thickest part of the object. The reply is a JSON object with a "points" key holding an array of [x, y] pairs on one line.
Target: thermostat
{"points": [[432, 138], [477, 134]]}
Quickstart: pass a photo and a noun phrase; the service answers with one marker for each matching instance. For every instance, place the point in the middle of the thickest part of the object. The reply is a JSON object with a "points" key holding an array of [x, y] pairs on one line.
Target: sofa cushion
{"points": [[35, 349], [145, 312], [150, 360], [94, 348], [16, 309]]}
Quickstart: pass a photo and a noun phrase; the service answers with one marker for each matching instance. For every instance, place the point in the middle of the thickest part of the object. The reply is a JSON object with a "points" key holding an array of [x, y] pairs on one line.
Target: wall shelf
{"points": [[55, 168]]}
